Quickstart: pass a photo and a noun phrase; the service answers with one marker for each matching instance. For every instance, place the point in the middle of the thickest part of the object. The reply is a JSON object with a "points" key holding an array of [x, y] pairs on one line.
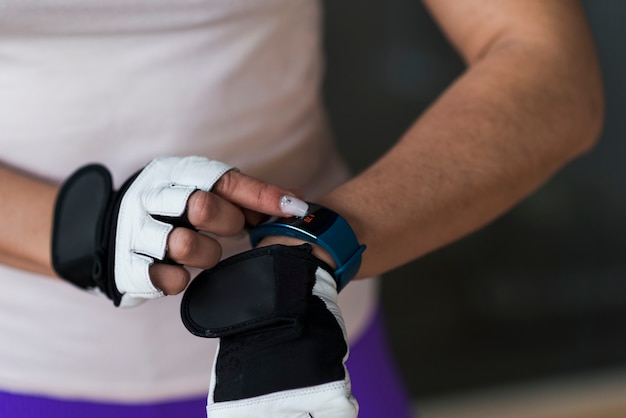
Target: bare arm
{"points": [[25, 221], [530, 101]]}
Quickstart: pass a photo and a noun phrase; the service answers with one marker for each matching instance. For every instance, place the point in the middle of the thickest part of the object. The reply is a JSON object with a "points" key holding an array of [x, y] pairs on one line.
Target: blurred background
{"points": [[526, 318]]}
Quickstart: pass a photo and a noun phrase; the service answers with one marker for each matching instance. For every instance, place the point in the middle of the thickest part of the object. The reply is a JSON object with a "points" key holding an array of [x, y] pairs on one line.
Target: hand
{"points": [[283, 342], [132, 244]]}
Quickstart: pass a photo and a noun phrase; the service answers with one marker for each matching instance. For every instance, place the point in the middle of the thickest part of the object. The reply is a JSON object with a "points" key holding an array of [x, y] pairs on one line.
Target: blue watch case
{"points": [[325, 228]]}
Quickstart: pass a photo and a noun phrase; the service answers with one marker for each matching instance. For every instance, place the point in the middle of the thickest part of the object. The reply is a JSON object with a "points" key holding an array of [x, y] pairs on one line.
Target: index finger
{"points": [[257, 195]]}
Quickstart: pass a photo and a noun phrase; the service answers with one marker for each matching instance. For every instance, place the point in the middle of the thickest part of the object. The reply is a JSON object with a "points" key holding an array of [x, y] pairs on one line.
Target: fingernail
{"points": [[290, 205]]}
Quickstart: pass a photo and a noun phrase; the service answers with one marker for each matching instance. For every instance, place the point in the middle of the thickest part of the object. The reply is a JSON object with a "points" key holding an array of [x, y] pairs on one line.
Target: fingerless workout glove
{"points": [[105, 240], [283, 342]]}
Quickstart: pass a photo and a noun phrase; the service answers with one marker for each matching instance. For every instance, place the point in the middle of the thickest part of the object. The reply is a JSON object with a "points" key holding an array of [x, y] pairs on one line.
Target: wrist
{"points": [[318, 251]]}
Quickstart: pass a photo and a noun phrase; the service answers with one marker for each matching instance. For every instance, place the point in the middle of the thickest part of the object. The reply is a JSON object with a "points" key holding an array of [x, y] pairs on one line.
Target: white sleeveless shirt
{"points": [[121, 82]]}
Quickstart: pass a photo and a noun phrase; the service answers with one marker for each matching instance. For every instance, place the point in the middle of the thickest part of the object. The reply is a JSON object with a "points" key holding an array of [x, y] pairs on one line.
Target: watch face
{"points": [[316, 221]]}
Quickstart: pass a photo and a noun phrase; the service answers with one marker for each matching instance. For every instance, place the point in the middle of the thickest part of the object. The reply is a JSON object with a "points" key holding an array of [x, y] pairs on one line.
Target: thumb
{"points": [[257, 195]]}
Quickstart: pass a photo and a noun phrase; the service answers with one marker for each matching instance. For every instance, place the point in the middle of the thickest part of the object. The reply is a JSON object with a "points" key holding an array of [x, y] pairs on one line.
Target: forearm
{"points": [[516, 116], [25, 221]]}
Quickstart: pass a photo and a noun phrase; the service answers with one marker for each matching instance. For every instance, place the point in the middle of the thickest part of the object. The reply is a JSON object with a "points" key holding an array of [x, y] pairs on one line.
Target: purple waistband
{"points": [[28, 406]]}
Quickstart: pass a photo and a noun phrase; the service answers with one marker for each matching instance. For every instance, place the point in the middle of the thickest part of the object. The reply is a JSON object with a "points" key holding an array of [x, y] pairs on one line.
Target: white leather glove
{"points": [[283, 342], [106, 240]]}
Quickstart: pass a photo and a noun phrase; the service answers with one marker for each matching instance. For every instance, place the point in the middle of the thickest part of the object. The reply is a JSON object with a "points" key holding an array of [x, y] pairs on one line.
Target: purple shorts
{"points": [[375, 385]]}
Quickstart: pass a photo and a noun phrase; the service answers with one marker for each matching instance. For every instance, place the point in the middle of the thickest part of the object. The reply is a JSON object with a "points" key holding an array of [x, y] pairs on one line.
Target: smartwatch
{"points": [[325, 228]]}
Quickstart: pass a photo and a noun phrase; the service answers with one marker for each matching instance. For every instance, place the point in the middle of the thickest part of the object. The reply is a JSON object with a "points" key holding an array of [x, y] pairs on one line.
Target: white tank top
{"points": [[119, 82]]}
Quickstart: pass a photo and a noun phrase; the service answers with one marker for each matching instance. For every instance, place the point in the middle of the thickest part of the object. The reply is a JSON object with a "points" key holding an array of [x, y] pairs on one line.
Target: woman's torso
{"points": [[120, 82]]}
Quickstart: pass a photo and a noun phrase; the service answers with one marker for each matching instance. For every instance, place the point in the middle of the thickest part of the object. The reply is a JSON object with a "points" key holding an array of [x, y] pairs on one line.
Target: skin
{"points": [[529, 101]]}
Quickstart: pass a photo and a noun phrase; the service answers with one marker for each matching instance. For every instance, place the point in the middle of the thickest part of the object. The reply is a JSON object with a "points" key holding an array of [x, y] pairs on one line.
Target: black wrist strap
{"points": [[77, 227], [257, 288]]}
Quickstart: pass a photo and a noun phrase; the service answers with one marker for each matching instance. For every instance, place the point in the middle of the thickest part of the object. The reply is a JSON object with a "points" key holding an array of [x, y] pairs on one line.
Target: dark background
{"points": [[539, 293]]}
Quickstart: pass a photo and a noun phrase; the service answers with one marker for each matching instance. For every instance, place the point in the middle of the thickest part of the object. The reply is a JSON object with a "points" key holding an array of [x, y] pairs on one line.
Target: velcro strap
{"points": [[258, 288], [77, 230]]}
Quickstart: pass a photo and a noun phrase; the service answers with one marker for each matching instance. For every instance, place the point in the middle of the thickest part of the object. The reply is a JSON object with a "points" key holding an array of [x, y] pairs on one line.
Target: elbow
{"points": [[587, 90], [592, 113]]}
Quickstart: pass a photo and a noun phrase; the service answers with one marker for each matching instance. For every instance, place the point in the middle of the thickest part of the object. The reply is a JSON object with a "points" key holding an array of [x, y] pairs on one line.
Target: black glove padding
{"points": [[283, 344], [106, 240]]}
